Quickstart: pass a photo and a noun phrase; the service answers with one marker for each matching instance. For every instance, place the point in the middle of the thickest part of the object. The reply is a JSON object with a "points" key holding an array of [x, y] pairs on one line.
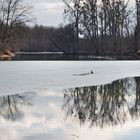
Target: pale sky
{"points": [[47, 12]]}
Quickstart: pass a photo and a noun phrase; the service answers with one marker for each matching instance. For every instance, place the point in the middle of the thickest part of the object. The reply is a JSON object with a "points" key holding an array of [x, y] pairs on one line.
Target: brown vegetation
{"points": [[12, 14]]}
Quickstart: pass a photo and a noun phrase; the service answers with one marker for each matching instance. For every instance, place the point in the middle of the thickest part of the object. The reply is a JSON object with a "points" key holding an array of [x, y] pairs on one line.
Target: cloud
{"points": [[47, 12]]}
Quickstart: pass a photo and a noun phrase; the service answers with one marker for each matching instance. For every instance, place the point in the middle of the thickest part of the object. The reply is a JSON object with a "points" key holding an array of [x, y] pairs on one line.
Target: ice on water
{"points": [[18, 77]]}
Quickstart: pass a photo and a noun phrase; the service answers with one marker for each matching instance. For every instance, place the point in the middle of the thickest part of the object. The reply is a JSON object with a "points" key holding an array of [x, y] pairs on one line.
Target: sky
{"points": [[47, 12]]}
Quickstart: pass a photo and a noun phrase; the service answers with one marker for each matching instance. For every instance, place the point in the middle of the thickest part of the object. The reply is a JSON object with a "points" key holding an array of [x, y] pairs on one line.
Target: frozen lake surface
{"points": [[17, 77], [61, 101]]}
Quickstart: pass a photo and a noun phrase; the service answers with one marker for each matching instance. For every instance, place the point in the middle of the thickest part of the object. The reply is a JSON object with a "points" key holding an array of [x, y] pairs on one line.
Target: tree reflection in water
{"points": [[105, 105], [11, 105]]}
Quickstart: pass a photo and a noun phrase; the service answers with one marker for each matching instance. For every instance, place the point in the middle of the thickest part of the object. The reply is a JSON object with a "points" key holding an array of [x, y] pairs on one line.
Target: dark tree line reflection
{"points": [[11, 106], [105, 105]]}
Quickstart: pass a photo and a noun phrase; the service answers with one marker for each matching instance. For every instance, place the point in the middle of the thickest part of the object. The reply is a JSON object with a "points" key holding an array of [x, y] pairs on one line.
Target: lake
{"points": [[35, 56], [63, 101]]}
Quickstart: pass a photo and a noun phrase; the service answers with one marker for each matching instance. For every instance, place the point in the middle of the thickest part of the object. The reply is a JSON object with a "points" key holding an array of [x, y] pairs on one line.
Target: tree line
{"points": [[105, 27], [109, 25]]}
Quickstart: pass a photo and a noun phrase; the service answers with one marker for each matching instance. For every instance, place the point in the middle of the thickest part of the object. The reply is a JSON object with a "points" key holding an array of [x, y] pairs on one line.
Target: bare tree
{"points": [[73, 13], [89, 22], [63, 39], [12, 13], [114, 23], [137, 28]]}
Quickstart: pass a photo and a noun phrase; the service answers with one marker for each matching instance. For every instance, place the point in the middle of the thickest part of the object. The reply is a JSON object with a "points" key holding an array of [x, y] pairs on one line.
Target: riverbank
{"points": [[46, 56], [6, 55]]}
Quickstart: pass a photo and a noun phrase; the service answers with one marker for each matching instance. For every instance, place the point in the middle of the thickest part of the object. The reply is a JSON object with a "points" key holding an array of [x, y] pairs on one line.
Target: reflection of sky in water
{"points": [[46, 120]]}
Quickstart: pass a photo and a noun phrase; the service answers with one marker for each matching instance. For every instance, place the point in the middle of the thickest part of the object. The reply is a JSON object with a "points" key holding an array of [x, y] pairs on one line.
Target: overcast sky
{"points": [[47, 12]]}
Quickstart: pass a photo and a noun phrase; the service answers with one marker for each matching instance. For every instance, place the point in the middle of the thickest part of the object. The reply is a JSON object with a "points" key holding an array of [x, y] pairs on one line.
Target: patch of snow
{"points": [[18, 77]]}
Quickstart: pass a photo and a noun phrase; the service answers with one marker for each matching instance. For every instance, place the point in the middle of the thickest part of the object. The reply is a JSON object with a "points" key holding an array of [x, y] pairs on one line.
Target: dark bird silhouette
{"points": [[83, 74]]}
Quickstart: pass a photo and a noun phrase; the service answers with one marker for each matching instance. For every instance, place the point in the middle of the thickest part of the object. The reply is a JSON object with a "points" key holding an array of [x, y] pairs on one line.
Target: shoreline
{"points": [[7, 54]]}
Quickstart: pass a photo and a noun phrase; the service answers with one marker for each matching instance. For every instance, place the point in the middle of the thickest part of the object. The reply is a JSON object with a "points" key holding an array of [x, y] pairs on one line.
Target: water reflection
{"points": [[11, 105], [104, 105], [135, 109]]}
